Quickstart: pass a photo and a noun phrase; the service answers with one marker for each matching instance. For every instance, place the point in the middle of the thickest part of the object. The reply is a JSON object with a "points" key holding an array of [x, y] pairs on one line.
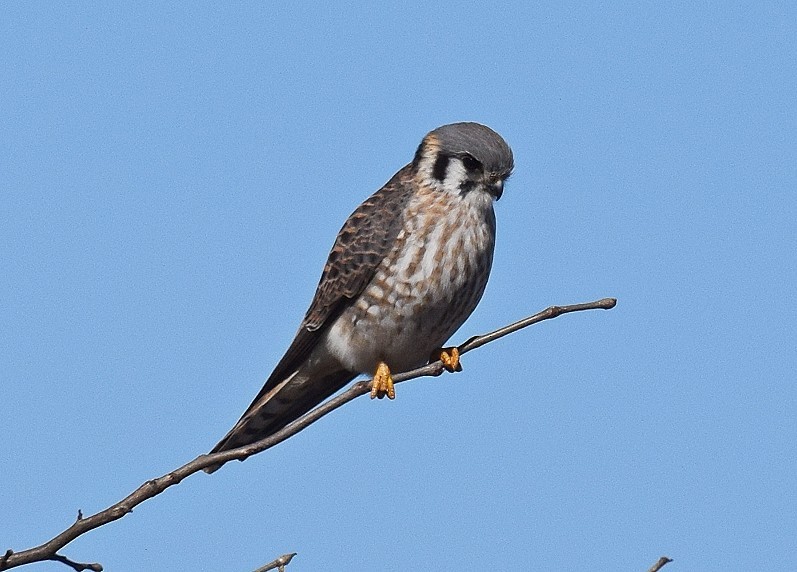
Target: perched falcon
{"points": [[406, 270]]}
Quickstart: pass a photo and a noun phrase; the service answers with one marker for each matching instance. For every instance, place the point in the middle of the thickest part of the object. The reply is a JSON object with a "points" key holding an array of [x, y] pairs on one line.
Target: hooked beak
{"points": [[496, 189]]}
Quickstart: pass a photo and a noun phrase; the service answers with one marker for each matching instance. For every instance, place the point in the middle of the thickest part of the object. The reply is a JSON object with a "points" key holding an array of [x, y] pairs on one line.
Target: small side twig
{"points": [[280, 563], [49, 550], [78, 566], [660, 563]]}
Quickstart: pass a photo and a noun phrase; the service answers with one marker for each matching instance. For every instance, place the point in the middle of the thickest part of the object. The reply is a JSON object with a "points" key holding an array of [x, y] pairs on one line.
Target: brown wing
{"points": [[365, 239]]}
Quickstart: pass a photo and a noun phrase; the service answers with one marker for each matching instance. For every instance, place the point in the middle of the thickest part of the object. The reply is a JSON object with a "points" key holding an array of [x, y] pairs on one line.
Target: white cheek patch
{"points": [[456, 174]]}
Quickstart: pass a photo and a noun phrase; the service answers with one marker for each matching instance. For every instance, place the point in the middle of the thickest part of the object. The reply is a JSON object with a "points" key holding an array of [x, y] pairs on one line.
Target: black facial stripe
{"points": [[466, 186], [440, 166]]}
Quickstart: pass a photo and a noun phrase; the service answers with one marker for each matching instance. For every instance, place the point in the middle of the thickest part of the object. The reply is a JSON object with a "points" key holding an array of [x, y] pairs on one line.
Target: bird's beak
{"points": [[496, 189]]}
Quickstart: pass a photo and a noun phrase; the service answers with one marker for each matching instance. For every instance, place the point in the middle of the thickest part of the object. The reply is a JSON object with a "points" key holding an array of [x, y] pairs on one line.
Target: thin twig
{"points": [[660, 564], [79, 566], [280, 563], [151, 488]]}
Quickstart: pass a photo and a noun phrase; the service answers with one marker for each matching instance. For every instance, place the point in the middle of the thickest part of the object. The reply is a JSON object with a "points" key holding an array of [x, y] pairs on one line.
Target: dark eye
{"points": [[470, 163]]}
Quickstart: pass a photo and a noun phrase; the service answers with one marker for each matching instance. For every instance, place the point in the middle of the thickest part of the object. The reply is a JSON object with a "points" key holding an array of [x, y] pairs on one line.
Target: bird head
{"points": [[464, 158]]}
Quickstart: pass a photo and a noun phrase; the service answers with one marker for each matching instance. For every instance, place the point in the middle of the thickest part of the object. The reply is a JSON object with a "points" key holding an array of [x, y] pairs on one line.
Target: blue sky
{"points": [[173, 175]]}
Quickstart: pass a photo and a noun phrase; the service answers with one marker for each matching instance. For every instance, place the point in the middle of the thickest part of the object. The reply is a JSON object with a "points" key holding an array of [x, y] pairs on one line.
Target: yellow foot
{"points": [[449, 357], [383, 383]]}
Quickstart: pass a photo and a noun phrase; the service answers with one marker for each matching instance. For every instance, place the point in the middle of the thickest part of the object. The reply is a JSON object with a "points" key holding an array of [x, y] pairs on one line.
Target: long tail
{"points": [[273, 409]]}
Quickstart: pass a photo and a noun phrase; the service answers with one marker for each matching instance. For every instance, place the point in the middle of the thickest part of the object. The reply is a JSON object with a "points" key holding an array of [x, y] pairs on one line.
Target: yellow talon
{"points": [[382, 383], [449, 357]]}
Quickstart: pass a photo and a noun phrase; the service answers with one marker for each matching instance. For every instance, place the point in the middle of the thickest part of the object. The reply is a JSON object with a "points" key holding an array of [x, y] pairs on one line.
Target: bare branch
{"points": [[362, 387], [49, 550], [660, 564], [79, 566], [280, 563]]}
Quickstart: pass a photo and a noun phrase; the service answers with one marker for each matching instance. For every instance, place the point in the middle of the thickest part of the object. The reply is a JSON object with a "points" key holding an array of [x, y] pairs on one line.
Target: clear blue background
{"points": [[172, 177]]}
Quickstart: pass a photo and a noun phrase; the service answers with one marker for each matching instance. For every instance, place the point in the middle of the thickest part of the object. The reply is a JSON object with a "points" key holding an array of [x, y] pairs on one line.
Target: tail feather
{"points": [[287, 401]]}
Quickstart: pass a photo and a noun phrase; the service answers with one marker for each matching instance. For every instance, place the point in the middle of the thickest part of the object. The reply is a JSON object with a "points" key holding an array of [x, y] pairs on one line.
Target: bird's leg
{"points": [[449, 357], [383, 382]]}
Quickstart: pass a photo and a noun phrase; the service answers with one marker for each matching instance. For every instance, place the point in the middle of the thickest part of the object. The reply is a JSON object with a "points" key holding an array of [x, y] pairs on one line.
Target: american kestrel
{"points": [[406, 270]]}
